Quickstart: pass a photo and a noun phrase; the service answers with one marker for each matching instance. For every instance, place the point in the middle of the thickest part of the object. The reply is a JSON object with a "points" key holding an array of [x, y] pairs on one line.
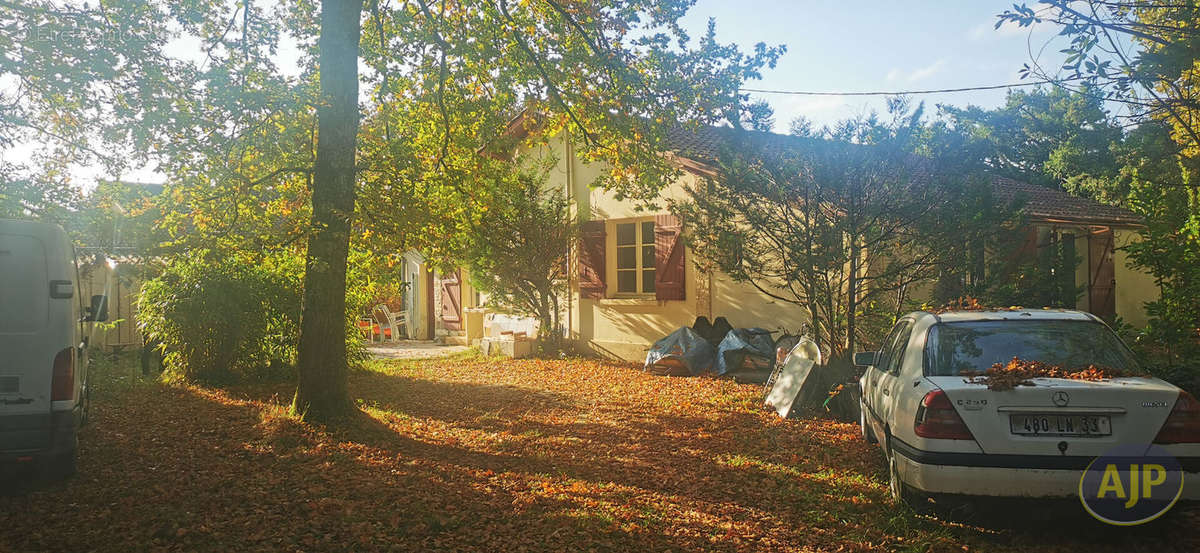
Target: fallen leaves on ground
{"points": [[474, 454], [1021, 372]]}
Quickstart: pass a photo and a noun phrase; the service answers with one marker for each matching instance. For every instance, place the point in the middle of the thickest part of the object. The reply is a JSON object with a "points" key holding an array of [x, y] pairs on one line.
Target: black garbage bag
{"points": [[720, 329], [703, 327], [747, 355], [680, 353]]}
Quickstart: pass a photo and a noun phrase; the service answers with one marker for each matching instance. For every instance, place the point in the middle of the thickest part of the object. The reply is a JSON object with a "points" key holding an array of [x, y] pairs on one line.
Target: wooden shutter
{"points": [[1102, 281], [451, 301], [591, 260], [669, 270]]}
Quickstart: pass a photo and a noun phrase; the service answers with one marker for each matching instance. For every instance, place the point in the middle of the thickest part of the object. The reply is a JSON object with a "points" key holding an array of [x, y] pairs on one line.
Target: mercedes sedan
{"points": [[945, 430]]}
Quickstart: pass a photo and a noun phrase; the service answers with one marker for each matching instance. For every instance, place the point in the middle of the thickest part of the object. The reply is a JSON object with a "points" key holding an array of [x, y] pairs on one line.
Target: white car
{"points": [[943, 434]]}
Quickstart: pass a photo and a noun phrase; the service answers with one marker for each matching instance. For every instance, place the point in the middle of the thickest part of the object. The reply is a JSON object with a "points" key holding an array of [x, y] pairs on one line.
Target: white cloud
{"points": [[927, 71], [894, 74]]}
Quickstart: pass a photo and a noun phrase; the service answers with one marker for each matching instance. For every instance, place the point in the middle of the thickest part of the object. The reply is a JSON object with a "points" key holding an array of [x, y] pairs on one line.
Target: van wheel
{"points": [[63, 465], [868, 433]]}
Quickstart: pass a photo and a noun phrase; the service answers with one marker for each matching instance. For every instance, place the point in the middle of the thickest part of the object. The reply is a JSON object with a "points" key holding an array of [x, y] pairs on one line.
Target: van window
{"points": [[24, 285]]}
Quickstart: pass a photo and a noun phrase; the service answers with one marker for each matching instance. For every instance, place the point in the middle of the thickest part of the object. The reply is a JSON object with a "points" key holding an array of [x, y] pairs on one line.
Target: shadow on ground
{"points": [[479, 455]]}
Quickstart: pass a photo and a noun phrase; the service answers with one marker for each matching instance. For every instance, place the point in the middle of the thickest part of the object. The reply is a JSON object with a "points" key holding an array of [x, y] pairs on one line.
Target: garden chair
{"points": [[389, 323]]}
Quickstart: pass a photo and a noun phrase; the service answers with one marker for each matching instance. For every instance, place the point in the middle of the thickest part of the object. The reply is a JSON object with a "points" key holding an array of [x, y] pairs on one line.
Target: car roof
{"points": [[1009, 315]]}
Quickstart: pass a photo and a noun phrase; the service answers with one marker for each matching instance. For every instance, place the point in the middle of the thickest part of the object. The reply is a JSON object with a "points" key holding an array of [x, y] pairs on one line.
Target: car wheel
{"points": [[901, 492], [867, 433], [895, 484]]}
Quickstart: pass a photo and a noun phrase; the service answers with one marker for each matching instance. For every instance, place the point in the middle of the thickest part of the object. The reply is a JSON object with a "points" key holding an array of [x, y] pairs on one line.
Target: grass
{"points": [[475, 454]]}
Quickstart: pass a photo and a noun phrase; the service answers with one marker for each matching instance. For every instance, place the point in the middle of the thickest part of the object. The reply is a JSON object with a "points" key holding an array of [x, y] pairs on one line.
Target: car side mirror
{"points": [[98, 311], [865, 358]]}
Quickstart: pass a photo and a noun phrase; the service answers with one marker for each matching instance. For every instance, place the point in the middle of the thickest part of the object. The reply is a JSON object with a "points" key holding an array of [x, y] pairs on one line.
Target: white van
{"points": [[43, 347]]}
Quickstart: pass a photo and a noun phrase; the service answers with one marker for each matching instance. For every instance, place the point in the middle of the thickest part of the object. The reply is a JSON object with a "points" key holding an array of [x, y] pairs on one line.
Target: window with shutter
{"points": [[670, 270], [636, 257], [592, 284]]}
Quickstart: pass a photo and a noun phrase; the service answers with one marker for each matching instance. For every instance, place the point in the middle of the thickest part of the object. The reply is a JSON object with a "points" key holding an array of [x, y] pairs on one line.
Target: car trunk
{"points": [[1088, 417]]}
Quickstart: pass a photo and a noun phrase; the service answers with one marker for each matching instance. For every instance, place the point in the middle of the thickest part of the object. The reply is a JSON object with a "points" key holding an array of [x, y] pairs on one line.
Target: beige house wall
{"points": [[1135, 288], [625, 327]]}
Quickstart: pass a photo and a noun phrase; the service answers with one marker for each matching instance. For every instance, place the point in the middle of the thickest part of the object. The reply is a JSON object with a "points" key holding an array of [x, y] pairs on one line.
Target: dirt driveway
{"points": [[413, 349]]}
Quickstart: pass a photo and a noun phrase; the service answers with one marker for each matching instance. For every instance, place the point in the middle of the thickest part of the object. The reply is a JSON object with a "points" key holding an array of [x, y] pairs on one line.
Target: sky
{"points": [[873, 45], [843, 46]]}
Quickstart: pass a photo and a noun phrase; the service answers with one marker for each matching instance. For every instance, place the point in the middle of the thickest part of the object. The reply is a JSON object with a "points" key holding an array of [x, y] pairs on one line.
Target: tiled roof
{"points": [[1040, 203], [1050, 204]]}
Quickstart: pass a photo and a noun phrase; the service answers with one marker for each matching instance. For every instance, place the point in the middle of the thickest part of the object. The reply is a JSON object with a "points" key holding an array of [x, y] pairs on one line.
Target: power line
{"points": [[907, 92]]}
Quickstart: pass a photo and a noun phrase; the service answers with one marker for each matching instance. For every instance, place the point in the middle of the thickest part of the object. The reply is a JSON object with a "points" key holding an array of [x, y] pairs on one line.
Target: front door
{"points": [[451, 301]]}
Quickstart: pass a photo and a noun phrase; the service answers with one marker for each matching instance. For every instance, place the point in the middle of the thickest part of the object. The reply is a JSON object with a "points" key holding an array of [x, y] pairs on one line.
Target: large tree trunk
{"points": [[321, 393]]}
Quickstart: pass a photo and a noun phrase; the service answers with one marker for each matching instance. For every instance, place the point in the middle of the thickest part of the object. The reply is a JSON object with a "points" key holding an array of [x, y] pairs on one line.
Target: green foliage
{"points": [[43, 198], [1169, 250], [122, 220], [1046, 281], [1156, 79], [846, 226], [517, 249], [1050, 137], [236, 135], [220, 319]]}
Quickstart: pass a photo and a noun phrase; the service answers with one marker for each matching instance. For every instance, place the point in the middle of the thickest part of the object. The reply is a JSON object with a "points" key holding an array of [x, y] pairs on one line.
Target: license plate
{"points": [[1060, 425]]}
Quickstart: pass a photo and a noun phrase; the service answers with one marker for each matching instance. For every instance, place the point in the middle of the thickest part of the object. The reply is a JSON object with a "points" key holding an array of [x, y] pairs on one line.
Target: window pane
{"points": [[626, 234], [648, 281], [648, 232], [627, 258], [648, 257], [627, 281]]}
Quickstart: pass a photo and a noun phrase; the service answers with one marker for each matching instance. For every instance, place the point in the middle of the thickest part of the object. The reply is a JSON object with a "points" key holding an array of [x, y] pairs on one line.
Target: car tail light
{"points": [[62, 386], [1183, 424], [936, 418]]}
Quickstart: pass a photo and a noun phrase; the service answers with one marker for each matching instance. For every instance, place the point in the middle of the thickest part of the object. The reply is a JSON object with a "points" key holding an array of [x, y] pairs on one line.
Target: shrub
{"points": [[1165, 350], [220, 319]]}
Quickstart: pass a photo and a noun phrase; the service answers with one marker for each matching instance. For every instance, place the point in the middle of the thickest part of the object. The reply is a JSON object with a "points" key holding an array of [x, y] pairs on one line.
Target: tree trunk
{"points": [[321, 393], [853, 296]]}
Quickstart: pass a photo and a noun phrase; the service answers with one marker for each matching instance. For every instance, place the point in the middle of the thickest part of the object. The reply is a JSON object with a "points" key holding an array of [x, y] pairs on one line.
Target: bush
{"points": [[1166, 351], [221, 319]]}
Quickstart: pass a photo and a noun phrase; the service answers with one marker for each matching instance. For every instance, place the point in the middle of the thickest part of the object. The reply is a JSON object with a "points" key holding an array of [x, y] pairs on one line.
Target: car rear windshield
{"points": [[976, 345]]}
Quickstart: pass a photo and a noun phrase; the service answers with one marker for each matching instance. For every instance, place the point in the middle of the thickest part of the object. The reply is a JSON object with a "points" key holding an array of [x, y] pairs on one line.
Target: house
{"points": [[634, 280]]}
